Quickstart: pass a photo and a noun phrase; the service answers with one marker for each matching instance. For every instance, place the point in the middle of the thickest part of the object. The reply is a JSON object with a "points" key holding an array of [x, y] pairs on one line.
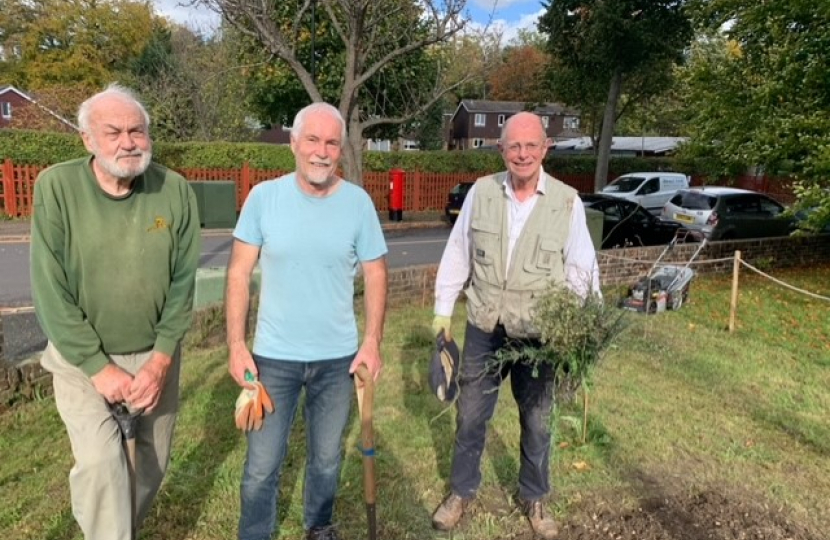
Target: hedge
{"points": [[43, 148]]}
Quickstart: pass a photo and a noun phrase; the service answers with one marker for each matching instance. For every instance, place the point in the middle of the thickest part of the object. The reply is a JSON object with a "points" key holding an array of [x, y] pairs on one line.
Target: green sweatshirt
{"points": [[113, 275]]}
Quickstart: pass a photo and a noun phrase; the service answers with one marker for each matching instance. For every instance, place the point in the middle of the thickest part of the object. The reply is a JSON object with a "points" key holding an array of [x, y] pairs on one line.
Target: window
{"points": [[501, 120], [480, 120], [651, 186], [570, 122], [545, 121], [478, 143], [5, 109], [770, 207]]}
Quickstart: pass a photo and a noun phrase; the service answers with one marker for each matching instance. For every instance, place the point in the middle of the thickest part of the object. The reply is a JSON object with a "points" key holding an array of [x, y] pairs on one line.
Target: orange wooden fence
{"points": [[422, 190]]}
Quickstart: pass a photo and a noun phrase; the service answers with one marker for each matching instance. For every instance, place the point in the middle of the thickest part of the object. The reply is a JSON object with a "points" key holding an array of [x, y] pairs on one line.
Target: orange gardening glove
{"points": [[251, 405]]}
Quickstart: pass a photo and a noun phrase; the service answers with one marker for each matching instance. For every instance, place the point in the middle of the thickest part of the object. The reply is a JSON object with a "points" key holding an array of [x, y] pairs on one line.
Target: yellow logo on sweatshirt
{"points": [[158, 224]]}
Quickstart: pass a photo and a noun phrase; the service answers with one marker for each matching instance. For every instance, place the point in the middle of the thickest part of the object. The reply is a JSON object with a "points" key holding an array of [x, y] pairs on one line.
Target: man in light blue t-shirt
{"points": [[309, 231]]}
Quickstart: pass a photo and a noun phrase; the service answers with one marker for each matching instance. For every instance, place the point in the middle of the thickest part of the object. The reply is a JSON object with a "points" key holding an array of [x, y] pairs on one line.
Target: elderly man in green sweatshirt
{"points": [[114, 251]]}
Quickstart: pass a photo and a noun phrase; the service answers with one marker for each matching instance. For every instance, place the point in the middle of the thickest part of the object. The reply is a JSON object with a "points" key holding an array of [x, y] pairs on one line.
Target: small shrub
{"points": [[574, 332]]}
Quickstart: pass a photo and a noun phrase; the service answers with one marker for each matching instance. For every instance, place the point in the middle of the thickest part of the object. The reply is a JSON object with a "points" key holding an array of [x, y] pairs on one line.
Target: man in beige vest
{"points": [[519, 231]]}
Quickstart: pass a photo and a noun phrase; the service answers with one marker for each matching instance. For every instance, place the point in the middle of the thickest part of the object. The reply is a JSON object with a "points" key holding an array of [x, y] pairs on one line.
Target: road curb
{"points": [[207, 233]]}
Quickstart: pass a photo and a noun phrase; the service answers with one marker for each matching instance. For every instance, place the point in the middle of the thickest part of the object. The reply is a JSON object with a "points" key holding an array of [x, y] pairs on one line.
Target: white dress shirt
{"points": [[581, 266]]}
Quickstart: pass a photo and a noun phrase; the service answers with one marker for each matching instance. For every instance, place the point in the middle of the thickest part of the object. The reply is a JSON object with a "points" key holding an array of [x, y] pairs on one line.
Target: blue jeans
{"points": [[328, 394], [479, 382]]}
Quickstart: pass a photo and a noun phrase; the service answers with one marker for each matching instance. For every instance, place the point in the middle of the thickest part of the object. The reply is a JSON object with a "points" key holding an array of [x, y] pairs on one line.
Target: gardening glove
{"points": [[251, 405], [442, 322]]}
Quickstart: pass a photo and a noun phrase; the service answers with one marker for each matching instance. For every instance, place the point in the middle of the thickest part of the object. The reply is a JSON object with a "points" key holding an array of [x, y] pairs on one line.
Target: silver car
{"points": [[724, 213]]}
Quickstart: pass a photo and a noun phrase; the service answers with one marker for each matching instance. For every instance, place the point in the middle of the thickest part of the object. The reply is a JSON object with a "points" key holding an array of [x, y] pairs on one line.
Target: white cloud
{"points": [[499, 5], [197, 18], [510, 29]]}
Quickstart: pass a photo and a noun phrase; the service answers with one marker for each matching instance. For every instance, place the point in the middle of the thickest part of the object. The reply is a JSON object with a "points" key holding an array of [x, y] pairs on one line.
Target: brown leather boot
{"points": [[449, 512], [541, 523]]}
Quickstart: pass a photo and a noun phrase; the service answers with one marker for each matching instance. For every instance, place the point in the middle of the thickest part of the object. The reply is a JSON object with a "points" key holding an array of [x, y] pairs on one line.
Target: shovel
{"points": [[365, 396], [126, 420]]}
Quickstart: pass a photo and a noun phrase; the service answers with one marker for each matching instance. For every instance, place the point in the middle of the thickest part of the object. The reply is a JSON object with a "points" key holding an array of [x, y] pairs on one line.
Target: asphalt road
{"points": [[24, 338]]}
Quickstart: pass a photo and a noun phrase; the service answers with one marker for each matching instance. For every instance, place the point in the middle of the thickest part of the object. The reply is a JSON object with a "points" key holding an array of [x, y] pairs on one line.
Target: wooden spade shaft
{"points": [[364, 387]]}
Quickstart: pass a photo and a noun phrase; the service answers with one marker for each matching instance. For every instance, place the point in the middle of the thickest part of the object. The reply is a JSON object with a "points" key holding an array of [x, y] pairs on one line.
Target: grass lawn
{"points": [[693, 433]]}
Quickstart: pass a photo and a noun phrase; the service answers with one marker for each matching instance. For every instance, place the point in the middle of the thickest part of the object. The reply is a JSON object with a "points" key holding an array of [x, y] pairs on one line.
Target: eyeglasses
{"points": [[529, 148]]}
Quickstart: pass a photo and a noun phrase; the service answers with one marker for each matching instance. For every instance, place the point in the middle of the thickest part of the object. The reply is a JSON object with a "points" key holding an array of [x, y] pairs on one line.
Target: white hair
{"points": [[318, 106], [113, 90]]}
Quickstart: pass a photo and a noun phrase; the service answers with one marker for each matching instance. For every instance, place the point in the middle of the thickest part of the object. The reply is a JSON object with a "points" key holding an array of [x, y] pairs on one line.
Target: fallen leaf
{"points": [[581, 466]]}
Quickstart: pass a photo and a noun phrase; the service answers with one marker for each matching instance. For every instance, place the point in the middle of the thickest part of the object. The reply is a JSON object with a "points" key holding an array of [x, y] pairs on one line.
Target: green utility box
{"points": [[595, 220], [217, 203]]}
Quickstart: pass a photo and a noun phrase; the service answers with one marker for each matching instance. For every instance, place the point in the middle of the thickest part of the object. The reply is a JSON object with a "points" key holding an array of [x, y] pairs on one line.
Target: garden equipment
{"points": [[662, 289], [127, 421], [364, 387], [252, 404]]}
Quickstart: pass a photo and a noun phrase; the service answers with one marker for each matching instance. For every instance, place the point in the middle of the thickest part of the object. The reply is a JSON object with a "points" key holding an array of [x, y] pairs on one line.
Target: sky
{"points": [[509, 15]]}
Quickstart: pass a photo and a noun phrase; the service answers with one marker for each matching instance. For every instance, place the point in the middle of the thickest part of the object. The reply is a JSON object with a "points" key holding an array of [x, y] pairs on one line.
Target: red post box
{"points": [[396, 177]]}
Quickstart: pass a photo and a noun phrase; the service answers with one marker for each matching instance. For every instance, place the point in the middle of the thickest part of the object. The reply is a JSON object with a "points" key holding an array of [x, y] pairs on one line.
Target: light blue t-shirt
{"points": [[310, 249]]}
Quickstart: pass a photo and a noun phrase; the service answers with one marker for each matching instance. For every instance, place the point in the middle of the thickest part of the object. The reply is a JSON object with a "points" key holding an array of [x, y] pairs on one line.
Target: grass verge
{"points": [[677, 406]]}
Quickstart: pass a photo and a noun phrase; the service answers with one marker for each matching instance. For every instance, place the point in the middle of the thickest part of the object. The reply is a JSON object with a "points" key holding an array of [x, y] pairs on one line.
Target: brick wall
{"points": [[415, 285]]}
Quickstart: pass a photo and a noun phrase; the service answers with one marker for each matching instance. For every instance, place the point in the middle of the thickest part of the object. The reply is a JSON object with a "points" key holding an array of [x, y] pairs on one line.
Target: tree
{"points": [[518, 77], [58, 42], [381, 42], [191, 86], [758, 91], [602, 49]]}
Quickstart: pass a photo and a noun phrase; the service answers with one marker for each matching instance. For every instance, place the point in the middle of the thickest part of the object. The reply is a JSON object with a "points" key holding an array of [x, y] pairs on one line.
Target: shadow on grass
{"points": [[193, 473], [395, 500], [415, 356]]}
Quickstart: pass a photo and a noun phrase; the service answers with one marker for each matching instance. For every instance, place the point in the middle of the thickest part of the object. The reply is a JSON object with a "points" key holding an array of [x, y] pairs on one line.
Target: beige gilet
{"points": [[497, 294]]}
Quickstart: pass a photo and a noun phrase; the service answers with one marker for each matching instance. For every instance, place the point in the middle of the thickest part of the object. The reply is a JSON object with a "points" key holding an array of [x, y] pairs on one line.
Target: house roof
{"points": [[9, 88], [646, 145], [510, 107]]}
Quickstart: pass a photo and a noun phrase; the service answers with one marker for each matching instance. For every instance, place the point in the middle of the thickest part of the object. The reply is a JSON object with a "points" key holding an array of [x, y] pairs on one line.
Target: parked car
{"points": [[651, 190], [724, 213], [455, 199], [626, 223]]}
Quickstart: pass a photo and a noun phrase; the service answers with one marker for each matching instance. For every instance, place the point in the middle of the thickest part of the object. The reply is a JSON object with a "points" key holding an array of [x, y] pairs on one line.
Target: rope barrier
{"points": [[649, 262], [783, 284]]}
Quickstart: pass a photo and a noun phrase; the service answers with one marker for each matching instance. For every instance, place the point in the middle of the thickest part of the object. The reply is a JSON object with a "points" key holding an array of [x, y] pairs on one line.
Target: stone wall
{"points": [[415, 285]]}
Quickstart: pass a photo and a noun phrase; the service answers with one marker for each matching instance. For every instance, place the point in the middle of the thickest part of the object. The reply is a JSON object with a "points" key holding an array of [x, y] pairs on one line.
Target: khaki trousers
{"points": [[99, 481]]}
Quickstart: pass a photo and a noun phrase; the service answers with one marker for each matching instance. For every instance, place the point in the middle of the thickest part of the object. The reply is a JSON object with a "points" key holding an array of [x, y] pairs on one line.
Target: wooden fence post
{"points": [[733, 307], [9, 191], [246, 185], [417, 186]]}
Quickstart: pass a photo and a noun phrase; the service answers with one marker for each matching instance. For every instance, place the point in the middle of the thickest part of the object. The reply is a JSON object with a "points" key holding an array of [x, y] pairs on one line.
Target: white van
{"points": [[651, 190]]}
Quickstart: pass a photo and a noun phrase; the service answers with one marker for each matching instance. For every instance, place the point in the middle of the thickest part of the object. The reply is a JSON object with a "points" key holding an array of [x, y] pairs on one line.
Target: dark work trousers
{"points": [[480, 380]]}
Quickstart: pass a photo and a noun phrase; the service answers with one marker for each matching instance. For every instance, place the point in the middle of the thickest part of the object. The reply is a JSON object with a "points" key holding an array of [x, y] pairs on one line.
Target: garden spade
{"points": [[364, 387], [126, 420]]}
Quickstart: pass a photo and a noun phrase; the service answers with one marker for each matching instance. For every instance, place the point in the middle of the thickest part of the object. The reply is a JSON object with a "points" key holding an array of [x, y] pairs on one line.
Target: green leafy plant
{"points": [[574, 332]]}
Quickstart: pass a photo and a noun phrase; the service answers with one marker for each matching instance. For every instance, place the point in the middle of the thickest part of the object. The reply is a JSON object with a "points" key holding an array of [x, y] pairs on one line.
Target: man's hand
{"points": [[240, 361], [368, 354], [113, 383], [148, 383], [439, 322]]}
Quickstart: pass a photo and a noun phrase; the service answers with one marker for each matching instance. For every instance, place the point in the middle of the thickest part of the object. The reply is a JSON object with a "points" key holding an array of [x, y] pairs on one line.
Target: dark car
{"points": [[455, 199], [626, 223], [725, 213]]}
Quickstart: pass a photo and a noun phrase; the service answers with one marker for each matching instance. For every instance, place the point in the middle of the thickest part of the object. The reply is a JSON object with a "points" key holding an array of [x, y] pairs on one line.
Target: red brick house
{"points": [[22, 111], [478, 123]]}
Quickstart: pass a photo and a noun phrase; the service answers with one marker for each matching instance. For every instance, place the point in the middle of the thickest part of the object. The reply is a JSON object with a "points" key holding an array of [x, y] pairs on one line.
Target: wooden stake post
{"points": [[733, 308]]}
